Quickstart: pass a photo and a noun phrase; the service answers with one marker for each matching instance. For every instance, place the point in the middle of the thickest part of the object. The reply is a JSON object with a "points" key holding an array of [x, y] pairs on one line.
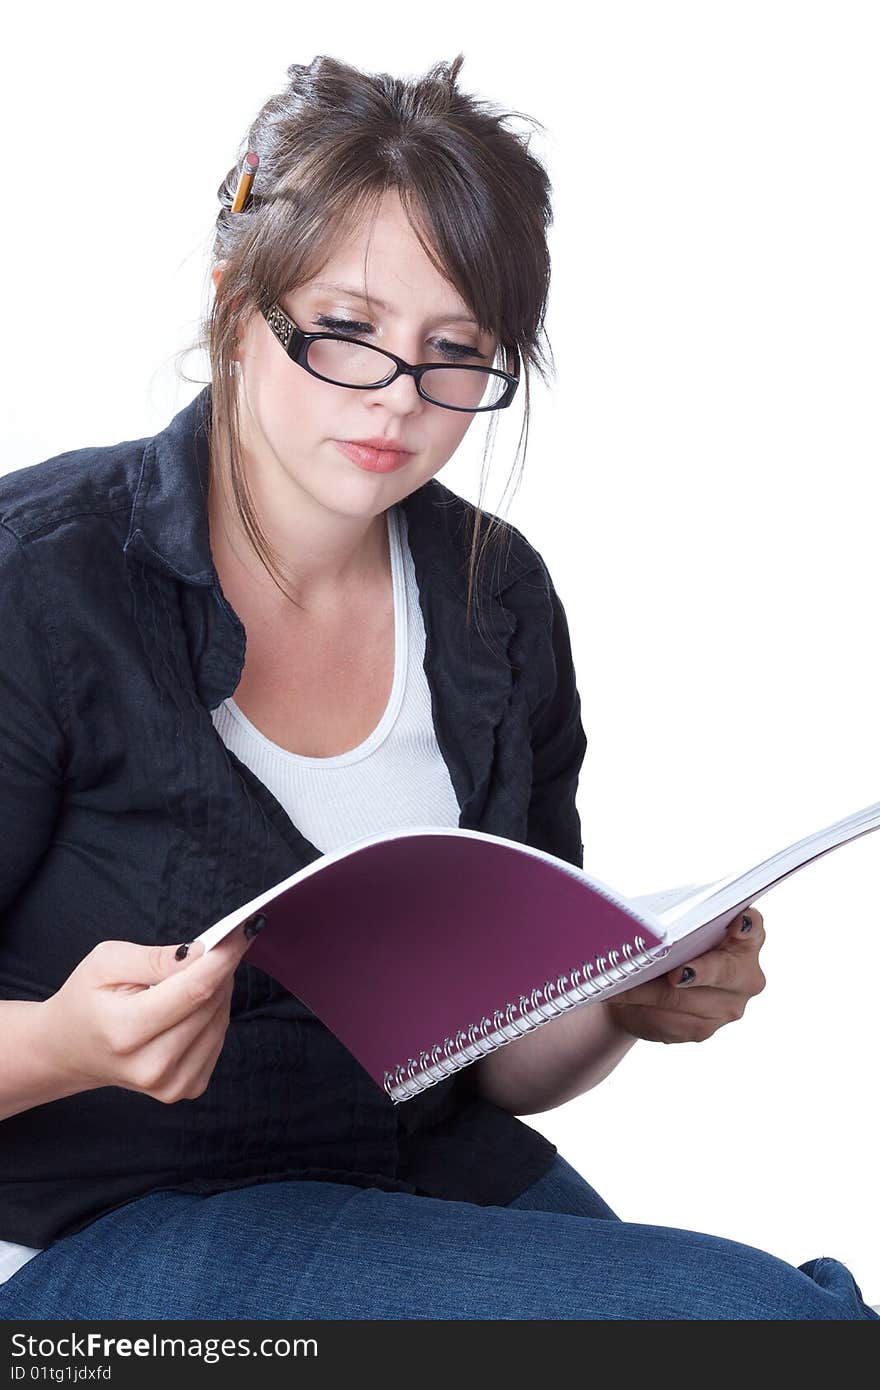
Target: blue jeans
{"points": [[315, 1250]]}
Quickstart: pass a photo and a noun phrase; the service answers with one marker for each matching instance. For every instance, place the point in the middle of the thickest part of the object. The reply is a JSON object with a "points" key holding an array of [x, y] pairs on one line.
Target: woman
{"points": [[265, 632]]}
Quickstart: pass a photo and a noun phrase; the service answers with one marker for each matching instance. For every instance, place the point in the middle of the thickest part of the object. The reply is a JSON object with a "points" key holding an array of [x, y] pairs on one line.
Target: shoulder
{"points": [[91, 482]]}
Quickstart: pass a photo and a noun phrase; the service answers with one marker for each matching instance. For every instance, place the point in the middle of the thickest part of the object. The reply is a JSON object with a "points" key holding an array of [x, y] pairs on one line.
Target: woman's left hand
{"points": [[716, 988]]}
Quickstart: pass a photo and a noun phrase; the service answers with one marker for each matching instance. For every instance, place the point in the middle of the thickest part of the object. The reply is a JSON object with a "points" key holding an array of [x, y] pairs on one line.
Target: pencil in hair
{"points": [[246, 178]]}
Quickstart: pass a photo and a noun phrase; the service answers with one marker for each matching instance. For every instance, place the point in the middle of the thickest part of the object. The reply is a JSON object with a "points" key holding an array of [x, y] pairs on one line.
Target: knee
{"points": [[711, 1277]]}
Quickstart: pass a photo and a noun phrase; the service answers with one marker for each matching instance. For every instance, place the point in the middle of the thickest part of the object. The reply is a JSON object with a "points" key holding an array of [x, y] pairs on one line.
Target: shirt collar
{"points": [[168, 525]]}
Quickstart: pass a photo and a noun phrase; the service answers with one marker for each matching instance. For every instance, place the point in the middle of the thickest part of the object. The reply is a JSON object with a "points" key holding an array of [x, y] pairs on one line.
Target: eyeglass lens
{"points": [[352, 364]]}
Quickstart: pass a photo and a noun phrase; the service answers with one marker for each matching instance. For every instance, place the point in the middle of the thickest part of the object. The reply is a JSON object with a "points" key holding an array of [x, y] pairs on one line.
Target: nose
{"points": [[401, 396]]}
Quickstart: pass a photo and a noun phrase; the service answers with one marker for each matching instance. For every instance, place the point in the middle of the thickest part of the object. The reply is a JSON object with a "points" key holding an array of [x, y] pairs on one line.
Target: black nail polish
{"points": [[182, 951], [746, 923], [687, 975], [255, 924]]}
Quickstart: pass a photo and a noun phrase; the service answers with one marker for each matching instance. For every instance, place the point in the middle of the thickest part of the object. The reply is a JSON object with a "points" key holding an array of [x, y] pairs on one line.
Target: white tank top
{"points": [[396, 777]]}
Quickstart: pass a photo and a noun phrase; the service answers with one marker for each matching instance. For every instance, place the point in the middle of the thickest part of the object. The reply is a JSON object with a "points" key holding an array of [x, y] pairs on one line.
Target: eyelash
{"points": [[352, 327]]}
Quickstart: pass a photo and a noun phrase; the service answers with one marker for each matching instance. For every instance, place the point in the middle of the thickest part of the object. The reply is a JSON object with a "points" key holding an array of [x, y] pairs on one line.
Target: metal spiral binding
{"points": [[585, 982]]}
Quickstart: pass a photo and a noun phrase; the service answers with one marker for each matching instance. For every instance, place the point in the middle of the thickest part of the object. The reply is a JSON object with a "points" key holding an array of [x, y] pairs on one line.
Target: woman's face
{"points": [[290, 419]]}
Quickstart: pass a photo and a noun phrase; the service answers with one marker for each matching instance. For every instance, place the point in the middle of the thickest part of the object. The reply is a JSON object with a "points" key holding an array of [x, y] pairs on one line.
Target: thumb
{"points": [[128, 963], [181, 955]]}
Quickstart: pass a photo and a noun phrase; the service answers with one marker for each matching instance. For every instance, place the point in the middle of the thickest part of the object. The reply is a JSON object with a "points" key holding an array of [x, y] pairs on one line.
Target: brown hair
{"points": [[329, 146]]}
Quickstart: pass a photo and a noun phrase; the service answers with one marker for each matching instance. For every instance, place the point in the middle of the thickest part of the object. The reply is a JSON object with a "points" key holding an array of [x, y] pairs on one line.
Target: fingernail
{"points": [[182, 951], [254, 924], [687, 975], [746, 923]]}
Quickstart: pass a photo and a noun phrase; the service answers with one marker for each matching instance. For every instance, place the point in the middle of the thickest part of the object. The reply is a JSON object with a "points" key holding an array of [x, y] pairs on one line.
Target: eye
{"points": [[349, 326], [353, 328]]}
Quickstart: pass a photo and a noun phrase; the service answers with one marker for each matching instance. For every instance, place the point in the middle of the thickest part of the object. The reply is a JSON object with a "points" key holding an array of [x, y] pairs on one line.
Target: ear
{"points": [[217, 274]]}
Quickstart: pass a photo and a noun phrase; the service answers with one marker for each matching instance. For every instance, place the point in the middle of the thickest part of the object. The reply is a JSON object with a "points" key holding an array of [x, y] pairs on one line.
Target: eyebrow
{"points": [[380, 304]]}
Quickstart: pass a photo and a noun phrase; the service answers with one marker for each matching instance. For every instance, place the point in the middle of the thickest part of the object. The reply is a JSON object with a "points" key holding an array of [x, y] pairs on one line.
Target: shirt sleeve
{"points": [[32, 741], [558, 747]]}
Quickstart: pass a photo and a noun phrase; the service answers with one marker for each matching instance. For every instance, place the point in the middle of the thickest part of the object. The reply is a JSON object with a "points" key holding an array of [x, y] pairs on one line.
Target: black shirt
{"points": [[123, 815]]}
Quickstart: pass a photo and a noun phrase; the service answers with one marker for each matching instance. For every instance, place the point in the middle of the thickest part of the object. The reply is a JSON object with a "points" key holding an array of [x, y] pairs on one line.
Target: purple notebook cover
{"points": [[404, 943]]}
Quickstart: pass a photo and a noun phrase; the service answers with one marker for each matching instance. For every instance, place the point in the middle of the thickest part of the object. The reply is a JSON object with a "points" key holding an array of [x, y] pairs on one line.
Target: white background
{"points": [[701, 477]]}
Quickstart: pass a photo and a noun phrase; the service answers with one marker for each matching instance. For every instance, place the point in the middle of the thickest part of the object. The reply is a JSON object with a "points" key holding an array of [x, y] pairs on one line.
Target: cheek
{"points": [[440, 438], [453, 429], [294, 400]]}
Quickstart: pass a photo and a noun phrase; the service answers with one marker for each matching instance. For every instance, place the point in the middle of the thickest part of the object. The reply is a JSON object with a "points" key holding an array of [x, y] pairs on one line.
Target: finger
{"points": [[746, 930], [129, 965], [733, 964], [653, 992], [703, 1004], [183, 1049], [182, 994], [207, 1050], [130, 1039], [661, 1025], [722, 969], [717, 972], [661, 994]]}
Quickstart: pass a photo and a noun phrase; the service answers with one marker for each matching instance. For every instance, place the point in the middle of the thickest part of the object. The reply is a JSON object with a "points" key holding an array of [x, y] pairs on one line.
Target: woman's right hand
{"points": [[135, 1016]]}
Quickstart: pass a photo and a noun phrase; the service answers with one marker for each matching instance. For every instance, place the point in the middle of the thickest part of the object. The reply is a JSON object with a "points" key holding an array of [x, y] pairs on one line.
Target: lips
{"points": [[374, 460], [378, 441]]}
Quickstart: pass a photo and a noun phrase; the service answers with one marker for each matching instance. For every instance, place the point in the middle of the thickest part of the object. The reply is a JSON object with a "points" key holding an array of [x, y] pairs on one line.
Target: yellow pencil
{"points": [[251, 165]]}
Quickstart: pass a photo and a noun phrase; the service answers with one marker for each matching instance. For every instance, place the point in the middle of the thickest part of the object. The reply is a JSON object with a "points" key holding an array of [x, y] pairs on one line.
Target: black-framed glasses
{"points": [[349, 362]]}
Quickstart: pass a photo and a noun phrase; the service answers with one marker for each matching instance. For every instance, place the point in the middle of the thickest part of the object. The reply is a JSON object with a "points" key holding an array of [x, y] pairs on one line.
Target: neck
{"points": [[323, 558]]}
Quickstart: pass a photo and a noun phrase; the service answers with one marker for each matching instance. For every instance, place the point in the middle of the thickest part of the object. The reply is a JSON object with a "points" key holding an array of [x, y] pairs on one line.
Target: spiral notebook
{"points": [[423, 949]]}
